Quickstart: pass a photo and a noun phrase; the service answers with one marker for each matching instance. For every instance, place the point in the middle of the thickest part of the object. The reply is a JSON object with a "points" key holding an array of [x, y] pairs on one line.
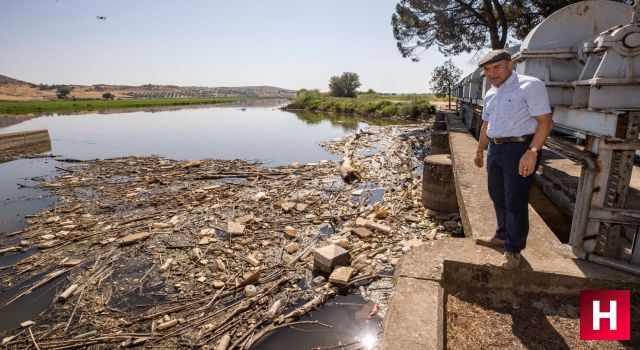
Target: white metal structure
{"points": [[588, 55]]}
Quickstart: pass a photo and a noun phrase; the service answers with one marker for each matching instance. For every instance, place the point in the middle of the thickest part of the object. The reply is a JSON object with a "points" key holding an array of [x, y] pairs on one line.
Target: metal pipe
{"points": [[582, 206], [584, 194], [635, 251], [616, 264]]}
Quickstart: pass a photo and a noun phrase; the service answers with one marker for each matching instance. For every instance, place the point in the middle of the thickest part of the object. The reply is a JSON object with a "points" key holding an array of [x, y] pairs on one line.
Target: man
{"points": [[516, 122]]}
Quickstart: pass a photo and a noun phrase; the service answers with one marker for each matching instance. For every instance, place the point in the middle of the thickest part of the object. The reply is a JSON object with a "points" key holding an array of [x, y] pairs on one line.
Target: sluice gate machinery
{"points": [[588, 56]]}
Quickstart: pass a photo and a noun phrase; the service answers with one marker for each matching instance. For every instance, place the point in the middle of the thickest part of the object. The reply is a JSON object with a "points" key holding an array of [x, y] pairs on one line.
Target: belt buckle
{"points": [[498, 140]]}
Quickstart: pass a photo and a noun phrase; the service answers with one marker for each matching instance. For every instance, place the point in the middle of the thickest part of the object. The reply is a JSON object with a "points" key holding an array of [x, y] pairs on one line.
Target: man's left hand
{"points": [[527, 163]]}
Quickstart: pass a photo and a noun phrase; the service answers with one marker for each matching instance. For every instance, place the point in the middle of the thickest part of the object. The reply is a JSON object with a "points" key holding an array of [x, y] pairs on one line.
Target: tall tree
{"points": [[456, 26], [444, 78], [344, 85]]}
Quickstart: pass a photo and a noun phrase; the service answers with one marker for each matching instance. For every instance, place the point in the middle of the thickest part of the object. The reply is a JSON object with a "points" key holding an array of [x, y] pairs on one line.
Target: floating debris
{"points": [[178, 254]]}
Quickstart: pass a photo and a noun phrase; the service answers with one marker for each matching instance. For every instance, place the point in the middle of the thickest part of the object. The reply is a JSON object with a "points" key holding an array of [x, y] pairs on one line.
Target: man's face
{"points": [[498, 72]]}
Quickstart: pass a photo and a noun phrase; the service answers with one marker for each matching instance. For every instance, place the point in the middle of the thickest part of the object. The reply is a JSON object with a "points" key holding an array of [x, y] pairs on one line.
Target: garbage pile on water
{"points": [[218, 253]]}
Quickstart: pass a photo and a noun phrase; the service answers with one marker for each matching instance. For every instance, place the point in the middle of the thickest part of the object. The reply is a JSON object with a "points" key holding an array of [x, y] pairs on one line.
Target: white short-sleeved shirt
{"points": [[511, 108]]}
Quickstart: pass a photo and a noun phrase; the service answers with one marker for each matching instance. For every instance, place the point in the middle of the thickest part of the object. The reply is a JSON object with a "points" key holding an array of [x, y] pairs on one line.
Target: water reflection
{"points": [[348, 316], [7, 120], [16, 153], [17, 202], [273, 136], [348, 122], [30, 305]]}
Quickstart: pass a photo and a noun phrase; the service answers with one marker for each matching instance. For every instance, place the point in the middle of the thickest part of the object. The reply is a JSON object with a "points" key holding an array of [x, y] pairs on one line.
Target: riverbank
{"points": [[71, 106], [373, 105]]}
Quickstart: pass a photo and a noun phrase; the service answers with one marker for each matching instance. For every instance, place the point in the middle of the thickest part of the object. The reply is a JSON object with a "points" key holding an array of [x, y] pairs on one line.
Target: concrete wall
{"points": [[23, 140]]}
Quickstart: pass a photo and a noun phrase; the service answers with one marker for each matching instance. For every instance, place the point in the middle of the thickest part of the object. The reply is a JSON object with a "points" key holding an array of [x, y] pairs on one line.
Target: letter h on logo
{"points": [[598, 315], [594, 317]]}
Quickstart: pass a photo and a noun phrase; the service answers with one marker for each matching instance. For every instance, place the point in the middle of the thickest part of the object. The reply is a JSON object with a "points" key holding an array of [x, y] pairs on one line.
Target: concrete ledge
{"points": [[25, 139], [456, 259], [471, 186], [548, 266], [476, 210], [415, 319], [426, 274]]}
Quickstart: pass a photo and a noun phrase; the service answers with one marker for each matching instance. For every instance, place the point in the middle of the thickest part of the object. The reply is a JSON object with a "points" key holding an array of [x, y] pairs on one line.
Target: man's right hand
{"points": [[479, 160]]}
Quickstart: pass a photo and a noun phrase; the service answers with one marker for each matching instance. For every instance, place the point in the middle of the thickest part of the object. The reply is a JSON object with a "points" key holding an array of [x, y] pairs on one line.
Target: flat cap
{"points": [[494, 56]]}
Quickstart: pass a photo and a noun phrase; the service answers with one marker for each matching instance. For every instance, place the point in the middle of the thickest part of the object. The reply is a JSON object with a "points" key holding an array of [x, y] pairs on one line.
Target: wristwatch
{"points": [[533, 149]]}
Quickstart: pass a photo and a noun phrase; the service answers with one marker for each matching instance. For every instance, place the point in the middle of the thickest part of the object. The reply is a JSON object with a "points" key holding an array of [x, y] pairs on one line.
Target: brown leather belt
{"points": [[500, 140]]}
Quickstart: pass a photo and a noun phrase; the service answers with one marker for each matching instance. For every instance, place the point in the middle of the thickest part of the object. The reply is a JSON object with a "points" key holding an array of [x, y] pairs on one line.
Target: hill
{"points": [[18, 90], [7, 80]]}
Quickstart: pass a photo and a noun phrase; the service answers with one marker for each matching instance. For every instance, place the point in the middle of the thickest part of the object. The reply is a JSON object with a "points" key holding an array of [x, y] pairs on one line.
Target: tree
{"points": [[344, 85], [336, 87], [62, 92], [108, 96], [458, 26], [444, 78]]}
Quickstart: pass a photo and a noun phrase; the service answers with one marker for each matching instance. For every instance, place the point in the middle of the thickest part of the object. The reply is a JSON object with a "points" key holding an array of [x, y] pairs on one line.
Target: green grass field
{"points": [[29, 107]]}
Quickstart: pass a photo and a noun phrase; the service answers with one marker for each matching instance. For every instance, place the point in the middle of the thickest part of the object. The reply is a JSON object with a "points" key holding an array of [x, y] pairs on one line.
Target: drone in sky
{"points": [[102, 18]]}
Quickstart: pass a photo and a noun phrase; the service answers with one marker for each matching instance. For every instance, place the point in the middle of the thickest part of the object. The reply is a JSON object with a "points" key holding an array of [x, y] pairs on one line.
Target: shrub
{"points": [[410, 110], [304, 98], [313, 100], [62, 92], [325, 106], [389, 111]]}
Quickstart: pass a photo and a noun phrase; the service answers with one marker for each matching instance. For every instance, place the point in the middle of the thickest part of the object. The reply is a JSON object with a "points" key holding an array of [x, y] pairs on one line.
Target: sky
{"points": [[284, 43]]}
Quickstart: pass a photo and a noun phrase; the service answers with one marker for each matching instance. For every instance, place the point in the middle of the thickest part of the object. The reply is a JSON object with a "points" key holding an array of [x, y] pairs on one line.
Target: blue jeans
{"points": [[510, 193]]}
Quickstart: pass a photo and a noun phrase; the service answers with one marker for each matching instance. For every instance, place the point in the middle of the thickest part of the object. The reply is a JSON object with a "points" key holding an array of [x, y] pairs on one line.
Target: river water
{"points": [[266, 134]]}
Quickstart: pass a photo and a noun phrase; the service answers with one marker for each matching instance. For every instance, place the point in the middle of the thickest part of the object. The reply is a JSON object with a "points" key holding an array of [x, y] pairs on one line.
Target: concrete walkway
{"points": [[544, 251], [416, 316]]}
